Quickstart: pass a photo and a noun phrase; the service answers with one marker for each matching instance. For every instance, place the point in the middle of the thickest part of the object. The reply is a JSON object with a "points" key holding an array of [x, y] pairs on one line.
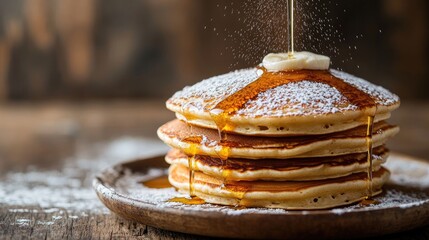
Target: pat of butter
{"points": [[276, 62]]}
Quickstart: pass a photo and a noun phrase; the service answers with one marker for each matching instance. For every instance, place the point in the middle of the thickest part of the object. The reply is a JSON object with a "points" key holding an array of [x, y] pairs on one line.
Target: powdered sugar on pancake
{"points": [[381, 95], [209, 92], [293, 99], [298, 98]]}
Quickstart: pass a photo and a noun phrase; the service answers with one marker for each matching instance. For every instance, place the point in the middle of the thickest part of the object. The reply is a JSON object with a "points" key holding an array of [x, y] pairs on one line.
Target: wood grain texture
{"points": [[89, 227], [110, 227], [54, 200]]}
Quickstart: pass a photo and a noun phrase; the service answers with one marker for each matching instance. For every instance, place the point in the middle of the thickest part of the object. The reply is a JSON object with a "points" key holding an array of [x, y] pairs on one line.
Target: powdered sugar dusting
{"points": [[381, 95], [394, 196], [67, 192], [286, 100], [209, 92], [293, 99], [410, 173]]}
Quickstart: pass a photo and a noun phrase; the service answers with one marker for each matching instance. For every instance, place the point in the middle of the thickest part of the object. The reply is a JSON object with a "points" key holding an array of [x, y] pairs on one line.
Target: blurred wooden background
{"points": [[86, 49], [61, 60], [77, 75]]}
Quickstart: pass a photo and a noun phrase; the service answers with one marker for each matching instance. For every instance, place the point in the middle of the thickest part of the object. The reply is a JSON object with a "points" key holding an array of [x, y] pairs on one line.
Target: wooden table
{"points": [[49, 154]]}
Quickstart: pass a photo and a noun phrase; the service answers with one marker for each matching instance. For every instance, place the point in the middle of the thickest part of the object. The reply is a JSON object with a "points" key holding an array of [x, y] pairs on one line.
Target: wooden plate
{"points": [[403, 206]]}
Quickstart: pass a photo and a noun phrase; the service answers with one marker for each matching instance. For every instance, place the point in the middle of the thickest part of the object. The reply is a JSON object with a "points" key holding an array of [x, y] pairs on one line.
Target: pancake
{"points": [[301, 169], [206, 142], [311, 103], [288, 195], [299, 139]]}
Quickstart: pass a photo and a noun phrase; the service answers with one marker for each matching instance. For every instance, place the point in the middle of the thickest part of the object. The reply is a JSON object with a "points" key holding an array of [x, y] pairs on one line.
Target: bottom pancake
{"points": [[301, 169], [319, 194]]}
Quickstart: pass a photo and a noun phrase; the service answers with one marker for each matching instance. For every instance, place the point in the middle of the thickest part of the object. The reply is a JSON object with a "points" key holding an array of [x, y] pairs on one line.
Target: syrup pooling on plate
{"points": [[159, 182], [226, 108], [188, 201]]}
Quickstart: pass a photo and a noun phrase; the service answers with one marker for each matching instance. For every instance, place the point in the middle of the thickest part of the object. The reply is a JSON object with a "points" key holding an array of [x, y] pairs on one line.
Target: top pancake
{"points": [[297, 108]]}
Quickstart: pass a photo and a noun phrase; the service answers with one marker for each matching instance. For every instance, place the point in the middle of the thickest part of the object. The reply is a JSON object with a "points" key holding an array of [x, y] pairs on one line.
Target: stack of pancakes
{"points": [[294, 140]]}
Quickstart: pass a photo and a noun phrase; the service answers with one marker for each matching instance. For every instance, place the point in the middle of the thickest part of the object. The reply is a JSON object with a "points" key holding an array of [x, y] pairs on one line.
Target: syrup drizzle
{"points": [[369, 154], [269, 80], [193, 144], [224, 110], [368, 201], [191, 151]]}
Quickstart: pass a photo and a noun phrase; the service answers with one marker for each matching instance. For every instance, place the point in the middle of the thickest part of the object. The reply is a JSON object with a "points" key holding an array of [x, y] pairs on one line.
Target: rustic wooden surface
{"points": [[49, 154]]}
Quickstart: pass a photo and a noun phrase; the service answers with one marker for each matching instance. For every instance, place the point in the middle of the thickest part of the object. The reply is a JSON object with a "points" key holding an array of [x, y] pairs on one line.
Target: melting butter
{"points": [[277, 62]]}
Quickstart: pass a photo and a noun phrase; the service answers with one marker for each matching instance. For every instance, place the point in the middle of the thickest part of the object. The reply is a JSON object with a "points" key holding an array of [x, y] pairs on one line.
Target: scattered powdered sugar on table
{"points": [[130, 185], [389, 199], [408, 172], [68, 192], [23, 222]]}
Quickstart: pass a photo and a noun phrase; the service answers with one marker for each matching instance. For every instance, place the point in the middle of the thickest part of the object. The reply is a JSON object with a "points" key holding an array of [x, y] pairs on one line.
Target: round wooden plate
{"points": [[403, 206]]}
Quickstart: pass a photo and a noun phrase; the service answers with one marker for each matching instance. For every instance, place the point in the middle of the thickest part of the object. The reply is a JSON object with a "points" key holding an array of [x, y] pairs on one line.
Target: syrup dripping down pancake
{"points": [[303, 139], [301, 169], [289, 195], [304, 107], [240, 146]]}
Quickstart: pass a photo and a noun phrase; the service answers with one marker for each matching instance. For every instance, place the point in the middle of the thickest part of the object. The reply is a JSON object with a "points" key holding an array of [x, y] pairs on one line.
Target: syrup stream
{"points": [[291, 7]]}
